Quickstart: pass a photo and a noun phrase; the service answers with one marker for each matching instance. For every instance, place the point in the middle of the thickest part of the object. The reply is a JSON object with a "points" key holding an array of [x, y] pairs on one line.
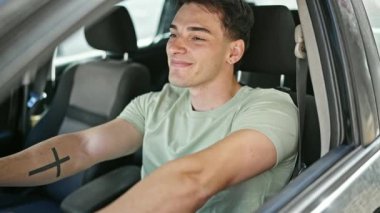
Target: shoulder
{"points": [[265, 107], [145, 106], [162, 101], [167, 93], [266, 98]]}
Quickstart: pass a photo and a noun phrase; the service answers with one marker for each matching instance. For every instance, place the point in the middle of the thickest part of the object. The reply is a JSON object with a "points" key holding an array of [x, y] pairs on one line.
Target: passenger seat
{"points": [[89, 94]]}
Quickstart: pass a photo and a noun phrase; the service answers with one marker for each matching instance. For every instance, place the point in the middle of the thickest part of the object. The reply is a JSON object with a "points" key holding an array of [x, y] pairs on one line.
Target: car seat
{"points": [[89, 94], [270, 55]]}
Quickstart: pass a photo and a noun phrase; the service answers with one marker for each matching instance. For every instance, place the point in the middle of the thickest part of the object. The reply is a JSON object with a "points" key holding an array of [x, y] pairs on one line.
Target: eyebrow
{"points": [[197, 29]]}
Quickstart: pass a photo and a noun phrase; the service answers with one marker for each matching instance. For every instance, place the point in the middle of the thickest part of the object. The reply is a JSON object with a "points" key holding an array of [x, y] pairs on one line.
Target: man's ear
{"points": [[236, 51]]}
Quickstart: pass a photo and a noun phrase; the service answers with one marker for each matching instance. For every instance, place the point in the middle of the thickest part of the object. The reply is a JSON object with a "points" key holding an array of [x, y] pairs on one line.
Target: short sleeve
{"points": [[274, 115], [135, 112]]}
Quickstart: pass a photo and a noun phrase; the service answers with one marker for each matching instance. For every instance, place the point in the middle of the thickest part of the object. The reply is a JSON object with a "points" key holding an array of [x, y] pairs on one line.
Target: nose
{"points": [[176, 46]]}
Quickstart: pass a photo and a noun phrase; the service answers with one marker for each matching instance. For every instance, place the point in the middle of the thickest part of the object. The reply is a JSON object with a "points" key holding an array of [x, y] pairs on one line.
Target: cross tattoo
{"points": [[57, 164]]}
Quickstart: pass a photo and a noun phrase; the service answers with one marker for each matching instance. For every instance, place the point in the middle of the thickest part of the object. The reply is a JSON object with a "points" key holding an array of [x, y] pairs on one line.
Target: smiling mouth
{"points": [[179, 64]]}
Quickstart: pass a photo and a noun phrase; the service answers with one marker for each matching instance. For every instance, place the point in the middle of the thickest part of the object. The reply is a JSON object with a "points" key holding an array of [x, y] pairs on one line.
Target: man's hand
{"points": [[185, 184]]}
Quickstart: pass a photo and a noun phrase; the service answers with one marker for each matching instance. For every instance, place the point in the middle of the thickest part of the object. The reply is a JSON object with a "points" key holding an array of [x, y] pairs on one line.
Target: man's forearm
{"points": [[185, 184], [171, 188], [43, 163]]}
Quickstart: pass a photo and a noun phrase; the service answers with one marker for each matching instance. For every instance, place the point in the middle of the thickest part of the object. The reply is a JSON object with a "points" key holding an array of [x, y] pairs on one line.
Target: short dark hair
{"points": [[236, 16]]}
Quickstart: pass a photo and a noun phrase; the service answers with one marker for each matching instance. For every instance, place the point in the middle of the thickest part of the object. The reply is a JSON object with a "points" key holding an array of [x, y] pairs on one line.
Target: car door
{"points": [[342, 40]]}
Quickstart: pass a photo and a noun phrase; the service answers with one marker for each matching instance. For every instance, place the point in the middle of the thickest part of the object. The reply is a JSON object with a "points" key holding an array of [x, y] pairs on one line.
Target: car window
{"points": [[373, 11], [291, 4], [146, 20]]}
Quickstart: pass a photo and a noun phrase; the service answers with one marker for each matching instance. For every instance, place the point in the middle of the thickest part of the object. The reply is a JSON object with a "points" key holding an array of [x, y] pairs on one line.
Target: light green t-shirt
{"points": [[172, 129]]}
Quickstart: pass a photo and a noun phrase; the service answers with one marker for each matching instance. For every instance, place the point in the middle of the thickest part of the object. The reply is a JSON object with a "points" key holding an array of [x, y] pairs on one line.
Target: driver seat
{"points": [[270, 55]]}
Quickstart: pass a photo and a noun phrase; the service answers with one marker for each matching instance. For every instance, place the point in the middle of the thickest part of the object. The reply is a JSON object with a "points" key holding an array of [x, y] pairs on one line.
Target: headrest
{"points": [[272, 42], [113, 33]]}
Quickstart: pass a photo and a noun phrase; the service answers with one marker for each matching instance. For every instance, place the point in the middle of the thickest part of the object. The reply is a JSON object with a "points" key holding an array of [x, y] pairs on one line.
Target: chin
{"points": [[177, 82]]}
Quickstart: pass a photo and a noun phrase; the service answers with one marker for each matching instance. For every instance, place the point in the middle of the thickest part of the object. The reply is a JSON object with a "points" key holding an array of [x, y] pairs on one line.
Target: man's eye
{"points": [[172, 35], [196, 38]]}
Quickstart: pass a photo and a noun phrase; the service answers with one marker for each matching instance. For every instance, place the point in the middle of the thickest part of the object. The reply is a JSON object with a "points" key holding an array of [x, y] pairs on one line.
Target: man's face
{"points": [[198, 48]]}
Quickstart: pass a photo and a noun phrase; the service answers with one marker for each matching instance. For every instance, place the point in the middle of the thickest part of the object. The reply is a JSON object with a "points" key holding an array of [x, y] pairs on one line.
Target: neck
{"points": [[213, 95]]}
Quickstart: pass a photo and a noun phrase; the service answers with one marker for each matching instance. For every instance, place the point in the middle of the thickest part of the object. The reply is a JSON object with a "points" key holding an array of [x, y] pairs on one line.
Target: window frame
{"points": [[371, 51], [346, 163]]}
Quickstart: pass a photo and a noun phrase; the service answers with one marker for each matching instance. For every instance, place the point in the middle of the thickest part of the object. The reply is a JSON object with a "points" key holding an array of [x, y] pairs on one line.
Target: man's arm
{"points": [[64, 155], [185, 184]]}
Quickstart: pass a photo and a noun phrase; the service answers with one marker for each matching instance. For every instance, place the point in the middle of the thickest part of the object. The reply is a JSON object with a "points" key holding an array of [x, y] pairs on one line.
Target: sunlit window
{"points": [[291, 4], [145, 19]]}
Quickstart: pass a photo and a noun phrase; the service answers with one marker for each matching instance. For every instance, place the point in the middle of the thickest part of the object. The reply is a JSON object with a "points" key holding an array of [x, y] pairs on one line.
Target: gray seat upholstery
{"points": [[272, 39], [270, 55], [93, 93]]}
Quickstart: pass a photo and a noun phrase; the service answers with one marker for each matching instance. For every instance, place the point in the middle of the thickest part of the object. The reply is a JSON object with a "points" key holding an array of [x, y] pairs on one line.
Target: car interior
{"points": [[93, 91]]}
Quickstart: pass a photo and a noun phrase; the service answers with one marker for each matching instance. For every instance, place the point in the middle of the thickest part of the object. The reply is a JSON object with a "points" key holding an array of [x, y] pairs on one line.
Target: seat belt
{"points": [[36, 93], [33, 95], [301, 85]]}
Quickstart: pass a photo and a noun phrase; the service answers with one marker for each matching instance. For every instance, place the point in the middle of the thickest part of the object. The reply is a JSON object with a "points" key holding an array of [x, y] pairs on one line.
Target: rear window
{"points": [[291, 4], [145, 15]]}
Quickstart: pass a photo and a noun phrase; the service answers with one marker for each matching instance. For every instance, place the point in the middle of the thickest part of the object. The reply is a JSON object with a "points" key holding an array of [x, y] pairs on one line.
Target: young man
{"points": [[210, 145]]}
